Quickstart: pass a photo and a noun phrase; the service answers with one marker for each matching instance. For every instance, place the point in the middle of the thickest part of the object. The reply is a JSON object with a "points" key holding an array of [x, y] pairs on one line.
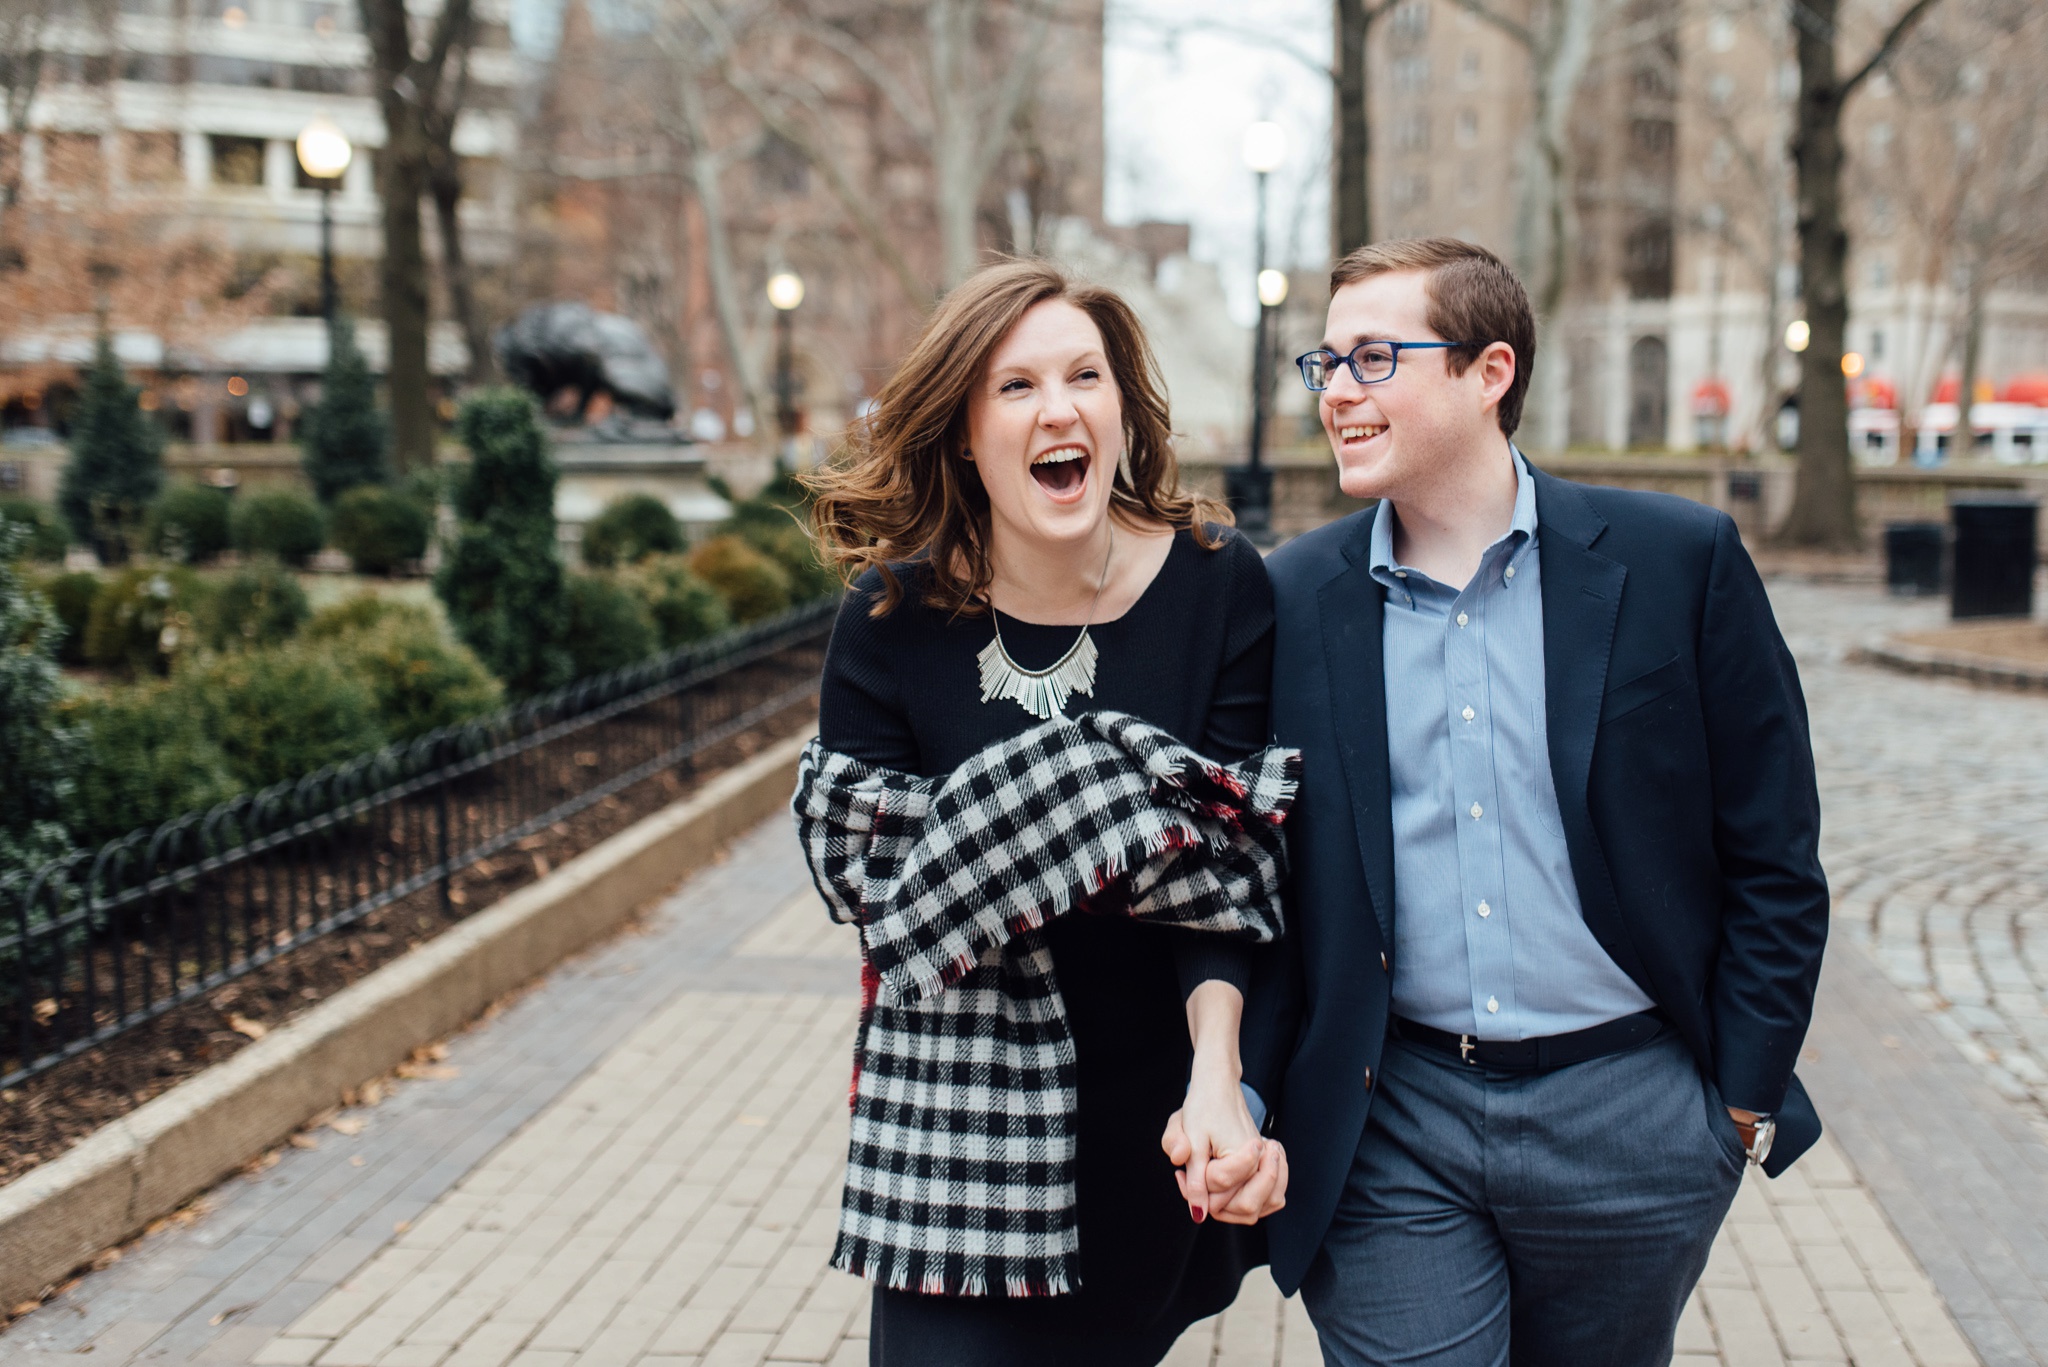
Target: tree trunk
{"points": [[1351, 207], [718, 261], [1823, 512], [446, 183], [401, 181], [1963, 445]]}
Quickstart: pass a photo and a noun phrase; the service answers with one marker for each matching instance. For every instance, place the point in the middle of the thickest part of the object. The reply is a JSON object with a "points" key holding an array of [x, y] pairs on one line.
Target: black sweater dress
{"points": [[1193, 655]]}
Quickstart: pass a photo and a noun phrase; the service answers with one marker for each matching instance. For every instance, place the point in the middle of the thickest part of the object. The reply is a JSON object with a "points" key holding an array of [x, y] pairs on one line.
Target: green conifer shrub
{"points": [[277, 522], [188, 523], [71, 594], [630, 529], [379, 528], [685, 609], [344, 439], [419, 679], [258, 605], [362, 611], [144, 618], [47, 538], [280, 712], [609, 627], [752, 585], [147, 757], [116, 467], [502, 580], [37, 755]]}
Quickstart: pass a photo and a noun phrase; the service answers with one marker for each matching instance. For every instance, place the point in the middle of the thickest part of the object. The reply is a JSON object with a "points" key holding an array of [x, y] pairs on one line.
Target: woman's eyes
{"points": [[1020, 385], [1014, 387]]}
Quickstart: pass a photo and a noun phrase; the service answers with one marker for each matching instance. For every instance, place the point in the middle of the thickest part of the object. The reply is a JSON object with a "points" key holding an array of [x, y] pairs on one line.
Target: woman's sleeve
{"points": [[1237, 725], [861, 711]]}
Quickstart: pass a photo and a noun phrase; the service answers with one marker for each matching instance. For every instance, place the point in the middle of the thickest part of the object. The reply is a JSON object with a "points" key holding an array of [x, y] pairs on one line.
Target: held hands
{"points": [[1222, 1164]]}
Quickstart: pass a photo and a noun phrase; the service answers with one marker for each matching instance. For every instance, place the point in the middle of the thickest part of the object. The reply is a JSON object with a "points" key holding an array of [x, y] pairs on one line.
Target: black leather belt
{"points": [[1536, 1055]]}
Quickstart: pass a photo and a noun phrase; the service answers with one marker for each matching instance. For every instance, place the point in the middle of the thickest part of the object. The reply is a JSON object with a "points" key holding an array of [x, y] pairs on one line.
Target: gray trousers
{"points": [[1553, 1219]]}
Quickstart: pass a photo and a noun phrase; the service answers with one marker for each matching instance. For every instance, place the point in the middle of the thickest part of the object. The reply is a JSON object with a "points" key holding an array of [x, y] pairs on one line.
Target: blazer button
{"points": [[1383, 962], [1368, 1078]]}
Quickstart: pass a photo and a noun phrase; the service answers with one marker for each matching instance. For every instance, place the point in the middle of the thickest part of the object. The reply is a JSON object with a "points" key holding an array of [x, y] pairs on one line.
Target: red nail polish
{"points": [[1199, 1214]]}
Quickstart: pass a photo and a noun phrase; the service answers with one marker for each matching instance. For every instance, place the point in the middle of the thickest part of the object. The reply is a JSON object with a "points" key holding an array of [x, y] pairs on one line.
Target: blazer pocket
{"points": [[1643, 690]]}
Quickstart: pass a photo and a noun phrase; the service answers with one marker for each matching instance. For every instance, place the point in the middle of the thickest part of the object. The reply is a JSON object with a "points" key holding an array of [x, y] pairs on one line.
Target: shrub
{"points": [[380, 529], [143, 618], [631, 529], [361, 612], [609, 627], [343, 438], [188, 523], [47, 539], [502, 581], [279, 522], [148, 756], [71, 594], [36, 756], [259, 605], [116, 466], [280, 713], [752, 585], [420, 680], [791, 547], [684, 607]]}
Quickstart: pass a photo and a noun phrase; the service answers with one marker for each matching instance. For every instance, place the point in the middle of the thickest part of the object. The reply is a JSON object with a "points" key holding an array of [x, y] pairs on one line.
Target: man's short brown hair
{"points": [[1474, 297]]}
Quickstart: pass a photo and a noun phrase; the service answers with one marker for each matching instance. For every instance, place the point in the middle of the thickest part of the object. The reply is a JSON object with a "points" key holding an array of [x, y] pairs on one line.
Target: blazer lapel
{"points": [[1352, 607], [1581, 603]]}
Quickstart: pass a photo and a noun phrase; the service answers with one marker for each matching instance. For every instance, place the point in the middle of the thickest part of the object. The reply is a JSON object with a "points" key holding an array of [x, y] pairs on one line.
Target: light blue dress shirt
{"points": [[1489, 939]]}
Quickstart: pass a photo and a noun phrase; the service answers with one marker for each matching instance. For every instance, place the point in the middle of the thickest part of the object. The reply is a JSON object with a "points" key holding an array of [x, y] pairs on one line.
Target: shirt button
{"points": [[1400, 574], [1383, 962], [1510, 572], [1469, 714], [1485, 910], [1492, 1005], [1476, 812], [1462, 619]]}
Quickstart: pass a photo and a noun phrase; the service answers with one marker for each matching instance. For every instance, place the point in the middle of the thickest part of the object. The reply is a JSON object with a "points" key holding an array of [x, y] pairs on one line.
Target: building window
{"points": [[1411, 191], [1468, 68], [74, 161], [1721, 89], [1468, 128], [1652, 138], [152, 159], [781, 168], [237, 161], [1411, 134], [1411, 75], [1646, 260]]}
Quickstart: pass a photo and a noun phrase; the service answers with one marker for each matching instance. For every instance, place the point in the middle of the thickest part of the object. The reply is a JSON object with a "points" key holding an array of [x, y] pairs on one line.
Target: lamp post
{"points": [[1250, 486], [785, 292], [324, 153]]}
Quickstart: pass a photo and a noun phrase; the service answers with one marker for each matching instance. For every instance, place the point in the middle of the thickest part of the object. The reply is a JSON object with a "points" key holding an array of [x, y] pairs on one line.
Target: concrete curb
{"points": [[1937, 664], [57, 1217]]}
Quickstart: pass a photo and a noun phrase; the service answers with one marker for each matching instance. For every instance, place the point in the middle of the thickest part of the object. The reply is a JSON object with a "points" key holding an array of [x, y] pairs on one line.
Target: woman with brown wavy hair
{"points": [[1041, 1002]]}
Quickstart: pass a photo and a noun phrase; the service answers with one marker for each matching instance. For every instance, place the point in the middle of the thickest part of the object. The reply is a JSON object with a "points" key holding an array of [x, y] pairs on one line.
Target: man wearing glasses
{"points": [[1557, 908]]}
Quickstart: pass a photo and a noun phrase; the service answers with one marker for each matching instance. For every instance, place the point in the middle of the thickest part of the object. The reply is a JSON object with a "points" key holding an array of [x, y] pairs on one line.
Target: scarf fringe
{"points": [[890, 1267]]}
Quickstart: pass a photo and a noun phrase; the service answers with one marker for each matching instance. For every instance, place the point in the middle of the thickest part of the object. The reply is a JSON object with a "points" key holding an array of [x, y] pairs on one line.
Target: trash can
{"points": [[1912, 558], [1994, 557]]}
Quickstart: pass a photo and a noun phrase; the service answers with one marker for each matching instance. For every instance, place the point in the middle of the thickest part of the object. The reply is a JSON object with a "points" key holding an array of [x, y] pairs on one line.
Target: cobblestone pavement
{"points": [[1935, 836], [663, 1191]]}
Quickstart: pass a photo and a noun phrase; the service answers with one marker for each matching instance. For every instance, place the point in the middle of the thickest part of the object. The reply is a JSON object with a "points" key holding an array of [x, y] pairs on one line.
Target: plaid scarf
{"points": [[961, 1171]]}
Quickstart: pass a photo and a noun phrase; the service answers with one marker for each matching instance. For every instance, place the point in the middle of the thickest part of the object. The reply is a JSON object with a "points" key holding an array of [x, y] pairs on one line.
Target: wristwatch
{"points": [[1760, 1139]]}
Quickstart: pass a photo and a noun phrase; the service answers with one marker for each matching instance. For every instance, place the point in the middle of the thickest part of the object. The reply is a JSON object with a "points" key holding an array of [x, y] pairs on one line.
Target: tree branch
{"points": [[876, 73], [1521, 33], [1901, 26]]}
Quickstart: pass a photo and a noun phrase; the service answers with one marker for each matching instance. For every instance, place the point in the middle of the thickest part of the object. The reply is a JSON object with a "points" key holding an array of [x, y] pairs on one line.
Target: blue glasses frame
{"points": [[1331, 359]]}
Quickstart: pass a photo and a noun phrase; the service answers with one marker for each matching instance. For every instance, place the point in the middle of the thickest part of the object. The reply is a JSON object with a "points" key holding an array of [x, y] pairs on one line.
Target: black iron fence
{"points": [[105, 940]]}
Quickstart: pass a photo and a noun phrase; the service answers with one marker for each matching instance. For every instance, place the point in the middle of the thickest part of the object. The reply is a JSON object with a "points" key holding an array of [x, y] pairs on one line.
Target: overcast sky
{"points": [[1183, 80]]}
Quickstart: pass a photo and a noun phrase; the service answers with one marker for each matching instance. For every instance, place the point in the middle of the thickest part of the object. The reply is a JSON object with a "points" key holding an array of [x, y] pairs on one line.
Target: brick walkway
{"points": [[637, 1163]]}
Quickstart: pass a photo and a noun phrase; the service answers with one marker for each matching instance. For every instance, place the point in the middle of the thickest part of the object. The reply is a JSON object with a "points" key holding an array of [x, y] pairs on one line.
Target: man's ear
{"points": [[1496, 372]]}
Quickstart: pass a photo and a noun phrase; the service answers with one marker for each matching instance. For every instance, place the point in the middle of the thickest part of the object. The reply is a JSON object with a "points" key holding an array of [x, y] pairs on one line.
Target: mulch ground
{"points": [[47, 1114], [2020, 643]]}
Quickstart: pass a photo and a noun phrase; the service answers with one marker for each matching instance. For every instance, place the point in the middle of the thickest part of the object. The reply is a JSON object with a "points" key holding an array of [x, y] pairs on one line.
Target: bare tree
{"points": [[22, 25], [415, 88], [1351, 192], [1823, 511], [444, 182]]}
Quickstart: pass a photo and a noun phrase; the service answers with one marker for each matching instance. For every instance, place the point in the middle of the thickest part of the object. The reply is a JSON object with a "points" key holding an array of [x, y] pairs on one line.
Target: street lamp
{"points": [[785, 292], [1250, 487], [324, 153]]}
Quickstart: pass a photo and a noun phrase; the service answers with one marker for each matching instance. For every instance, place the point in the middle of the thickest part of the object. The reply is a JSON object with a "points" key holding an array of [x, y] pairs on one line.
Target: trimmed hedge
{"points": [[280, 713], [259, 605], [148, 756], [143, 618], [71, 594], [278, 522], [47, 540], [609, 627], [629, 530], [684, 608], [380, 528], [418, 678], [753, 586], [188, 523]]}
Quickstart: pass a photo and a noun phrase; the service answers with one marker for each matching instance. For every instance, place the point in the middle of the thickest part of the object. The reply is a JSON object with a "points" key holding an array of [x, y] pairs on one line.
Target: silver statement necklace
{"points": [[1044, 692]]}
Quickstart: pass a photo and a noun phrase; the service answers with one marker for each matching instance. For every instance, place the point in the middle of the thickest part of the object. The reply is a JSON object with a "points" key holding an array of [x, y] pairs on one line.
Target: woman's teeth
{"points": [[1360, 432]]}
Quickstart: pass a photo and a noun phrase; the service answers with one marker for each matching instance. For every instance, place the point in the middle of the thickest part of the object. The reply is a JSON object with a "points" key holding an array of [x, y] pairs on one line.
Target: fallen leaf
{"points": [[303, 1141], [753, 1120], [457, 897], [24, 1308], [541, 866], [436, 1051], [401, 1227], [242, 1025], [106, 1259], [346, 1124], [430, 1072], [356, 1162], [231, 1312], [372, 1091], [45, 1009]]}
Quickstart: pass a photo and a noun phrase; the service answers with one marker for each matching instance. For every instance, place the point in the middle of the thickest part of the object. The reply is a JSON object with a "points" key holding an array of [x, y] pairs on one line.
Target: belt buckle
{"points": [[1466, 1047]]}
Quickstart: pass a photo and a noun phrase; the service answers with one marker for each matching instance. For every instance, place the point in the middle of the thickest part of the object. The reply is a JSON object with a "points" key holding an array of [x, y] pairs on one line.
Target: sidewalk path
{"points": [[637, 1163]]}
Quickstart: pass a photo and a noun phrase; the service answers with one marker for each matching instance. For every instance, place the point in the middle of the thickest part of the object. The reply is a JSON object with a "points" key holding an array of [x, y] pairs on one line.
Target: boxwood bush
{"points": [[257, 605], [46, 539], [631, 529], [144, 618], [188, 523], [362, 611], [684, 607], [609, 627], [418, 678], [277, 522], [752, 585], [148, 755], [71, 594], [380, 528], [280, 713]]}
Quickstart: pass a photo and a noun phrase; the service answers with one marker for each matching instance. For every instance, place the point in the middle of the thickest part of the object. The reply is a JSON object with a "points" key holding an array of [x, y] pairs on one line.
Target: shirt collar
{"points": [[1382, 564]]}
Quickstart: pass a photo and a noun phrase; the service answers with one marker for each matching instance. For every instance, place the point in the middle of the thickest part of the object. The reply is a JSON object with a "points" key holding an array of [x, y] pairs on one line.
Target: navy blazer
{"points": [[1684, 772]]}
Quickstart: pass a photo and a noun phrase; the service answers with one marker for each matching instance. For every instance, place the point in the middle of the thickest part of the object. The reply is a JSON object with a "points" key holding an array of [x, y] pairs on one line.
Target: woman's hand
{"points": [[1223, 1166]]}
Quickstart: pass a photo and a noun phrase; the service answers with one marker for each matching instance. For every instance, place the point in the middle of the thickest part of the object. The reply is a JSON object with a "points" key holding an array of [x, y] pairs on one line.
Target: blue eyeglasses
{"points": [[1369, 362]]}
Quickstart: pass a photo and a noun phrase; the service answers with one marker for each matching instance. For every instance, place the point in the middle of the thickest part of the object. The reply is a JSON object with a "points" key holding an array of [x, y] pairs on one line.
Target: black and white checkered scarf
{"points": [[960, 1176]]}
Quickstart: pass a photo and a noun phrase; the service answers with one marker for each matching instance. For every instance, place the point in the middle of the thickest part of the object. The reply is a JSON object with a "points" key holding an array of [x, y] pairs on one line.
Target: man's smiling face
{"points": [[1399, 433]]}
